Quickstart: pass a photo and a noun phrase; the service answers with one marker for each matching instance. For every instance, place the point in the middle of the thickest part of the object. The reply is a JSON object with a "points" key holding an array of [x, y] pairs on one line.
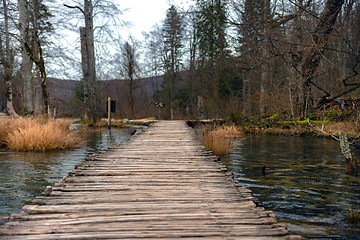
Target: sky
{"points": [[143, 14]]}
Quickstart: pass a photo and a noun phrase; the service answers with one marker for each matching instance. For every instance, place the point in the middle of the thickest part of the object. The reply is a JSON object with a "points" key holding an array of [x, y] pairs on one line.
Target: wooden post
{"points": [[109, 113]]}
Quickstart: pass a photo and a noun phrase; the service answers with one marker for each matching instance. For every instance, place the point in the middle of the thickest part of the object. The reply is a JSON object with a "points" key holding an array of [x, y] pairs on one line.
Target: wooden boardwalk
{"points": [[159, 184]]}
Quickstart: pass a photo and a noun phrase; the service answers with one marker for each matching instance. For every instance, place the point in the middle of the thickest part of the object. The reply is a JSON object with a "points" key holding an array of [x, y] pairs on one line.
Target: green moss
{"points": [[304, 122], [272, 117], [320, 122]]}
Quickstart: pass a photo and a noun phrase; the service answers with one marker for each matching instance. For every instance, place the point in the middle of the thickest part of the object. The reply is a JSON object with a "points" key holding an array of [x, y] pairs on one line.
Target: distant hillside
{"points": [[63, 96]]}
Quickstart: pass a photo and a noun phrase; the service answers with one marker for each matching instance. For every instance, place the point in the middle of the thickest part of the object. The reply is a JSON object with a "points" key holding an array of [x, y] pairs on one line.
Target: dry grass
{"points": [[147, 119], [27, 134], [3, 131], [114, 123], [349, 128], [141, 121], [220, 139], [7, 126], [122, 122]]}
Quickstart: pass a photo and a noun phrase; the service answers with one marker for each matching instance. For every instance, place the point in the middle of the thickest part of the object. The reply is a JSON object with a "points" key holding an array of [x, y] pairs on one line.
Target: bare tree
{"points": [[98, 15], [34, 26], [88, 61], [7, 60], [36, 55], [130, 69], [315, 53]]}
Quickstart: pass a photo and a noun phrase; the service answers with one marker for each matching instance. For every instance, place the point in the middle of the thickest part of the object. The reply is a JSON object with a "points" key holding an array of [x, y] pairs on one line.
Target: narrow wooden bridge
{"points": [[159, 184]]}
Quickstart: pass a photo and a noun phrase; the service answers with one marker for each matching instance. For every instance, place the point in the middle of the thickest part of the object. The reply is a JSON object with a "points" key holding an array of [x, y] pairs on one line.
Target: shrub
{"points": [[220, 139]]}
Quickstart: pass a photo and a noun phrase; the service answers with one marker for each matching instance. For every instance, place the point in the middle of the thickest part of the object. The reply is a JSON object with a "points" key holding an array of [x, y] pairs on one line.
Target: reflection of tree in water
{"points": [[101, 139], [92, 139]]}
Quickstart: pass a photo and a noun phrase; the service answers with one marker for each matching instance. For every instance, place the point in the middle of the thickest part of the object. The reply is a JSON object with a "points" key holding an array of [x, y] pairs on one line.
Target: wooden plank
{"points": [[160, 184], [219, 235]]}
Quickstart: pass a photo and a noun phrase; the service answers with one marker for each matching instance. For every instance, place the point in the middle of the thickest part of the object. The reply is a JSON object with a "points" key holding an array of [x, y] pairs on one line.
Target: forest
{"points": [[234, 59]]}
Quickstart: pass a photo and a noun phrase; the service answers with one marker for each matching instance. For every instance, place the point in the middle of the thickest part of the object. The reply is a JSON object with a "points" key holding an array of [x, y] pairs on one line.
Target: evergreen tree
{"points": [[212, 53], [211, 29], [173, 35]]}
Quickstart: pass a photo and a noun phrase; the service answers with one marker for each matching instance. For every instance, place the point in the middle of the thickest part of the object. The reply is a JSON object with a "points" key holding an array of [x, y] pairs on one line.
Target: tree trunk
{"points": [[40, 59], [7, 59], [88, 64], [36, 56], [295, 79], [9, 103], [172, 82], [85, 70], [26, 65], [131, 66], [35, 53], [320, 37], [265, 55], [131, 92]]}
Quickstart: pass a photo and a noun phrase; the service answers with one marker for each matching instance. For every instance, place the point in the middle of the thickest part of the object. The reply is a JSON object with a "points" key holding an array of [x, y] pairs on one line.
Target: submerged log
{"points": [[351, 164]]}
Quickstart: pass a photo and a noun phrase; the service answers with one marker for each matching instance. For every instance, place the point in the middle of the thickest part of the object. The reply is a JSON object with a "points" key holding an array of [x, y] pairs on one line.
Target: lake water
{"points": [[305, 184], [25, 175]]}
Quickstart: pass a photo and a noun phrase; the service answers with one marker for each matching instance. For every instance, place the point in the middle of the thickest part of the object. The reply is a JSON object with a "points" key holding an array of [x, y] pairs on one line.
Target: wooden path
{"points": [[159, 184]]}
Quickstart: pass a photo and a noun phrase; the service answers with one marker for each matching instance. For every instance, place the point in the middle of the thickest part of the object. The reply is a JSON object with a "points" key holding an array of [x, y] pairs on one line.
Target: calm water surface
{"points": [[305, 185], [25, 175]]}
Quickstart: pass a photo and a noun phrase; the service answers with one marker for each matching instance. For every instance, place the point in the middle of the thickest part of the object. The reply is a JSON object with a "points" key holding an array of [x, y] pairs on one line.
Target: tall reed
{"points": [[3, 133], [220, 139], [26, 134], [6, 127]]}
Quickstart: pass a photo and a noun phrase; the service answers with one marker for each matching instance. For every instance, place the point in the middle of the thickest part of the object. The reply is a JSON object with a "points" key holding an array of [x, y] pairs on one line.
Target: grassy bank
{"points": [[351, 128], [219, 137], [28, 134], [119, 123]]}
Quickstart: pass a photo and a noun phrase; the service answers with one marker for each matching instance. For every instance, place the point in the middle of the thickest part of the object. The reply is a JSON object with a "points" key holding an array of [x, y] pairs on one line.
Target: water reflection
{"points": [[304, 185], [25, 175]]}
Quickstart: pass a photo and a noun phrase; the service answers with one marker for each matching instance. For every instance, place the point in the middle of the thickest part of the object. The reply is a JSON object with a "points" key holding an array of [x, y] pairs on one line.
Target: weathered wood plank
{"points": [[160, 184], [171, 236]]}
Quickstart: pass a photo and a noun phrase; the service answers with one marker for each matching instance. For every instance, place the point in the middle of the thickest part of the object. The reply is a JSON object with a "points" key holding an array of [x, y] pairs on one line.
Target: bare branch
{"points": [[68, 6]]}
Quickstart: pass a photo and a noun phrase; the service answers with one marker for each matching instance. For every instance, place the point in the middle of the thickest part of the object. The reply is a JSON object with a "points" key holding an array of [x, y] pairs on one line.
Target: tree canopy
{"points": [[216, 58]]}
